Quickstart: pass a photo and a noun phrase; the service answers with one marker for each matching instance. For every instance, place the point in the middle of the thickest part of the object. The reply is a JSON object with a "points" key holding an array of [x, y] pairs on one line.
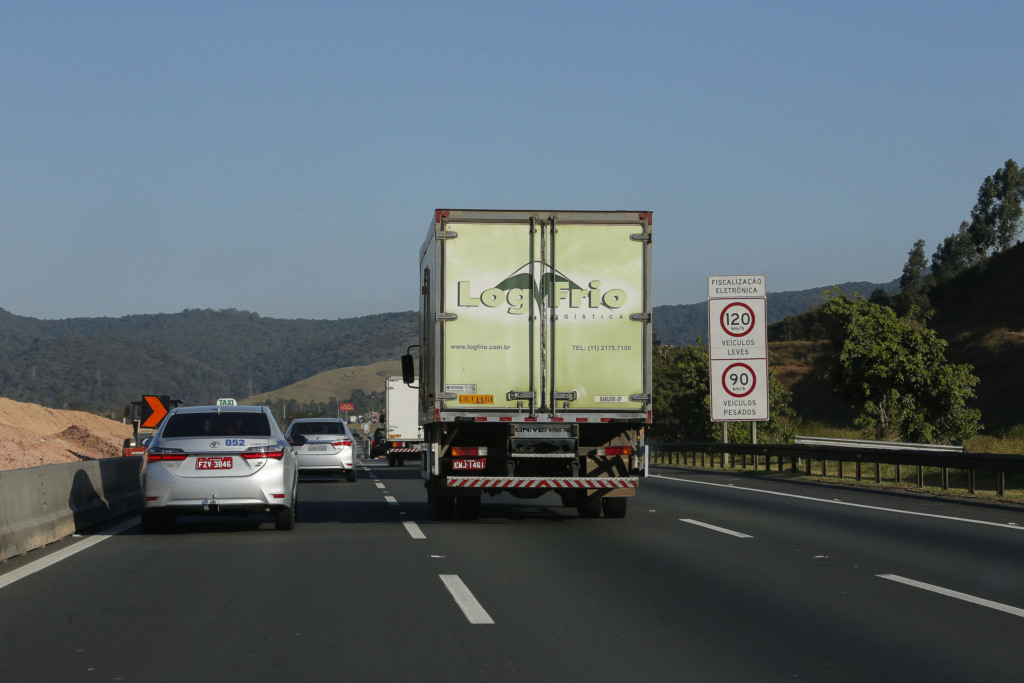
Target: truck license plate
{"points": [[469, 464], [218, 463]]}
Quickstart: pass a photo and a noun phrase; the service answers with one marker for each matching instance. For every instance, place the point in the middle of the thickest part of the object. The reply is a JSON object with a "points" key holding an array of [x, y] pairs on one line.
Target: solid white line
{"points": [[716, 528], [474, 612], [1015, 611], [391, 500], [840, 502], [414, 530], [53, 558]]}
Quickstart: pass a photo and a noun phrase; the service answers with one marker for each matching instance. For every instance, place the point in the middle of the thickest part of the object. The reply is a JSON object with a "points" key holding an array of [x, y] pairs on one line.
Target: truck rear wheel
{"points": [[588, 505], [442, 505], [469, 507], [614, 507]]}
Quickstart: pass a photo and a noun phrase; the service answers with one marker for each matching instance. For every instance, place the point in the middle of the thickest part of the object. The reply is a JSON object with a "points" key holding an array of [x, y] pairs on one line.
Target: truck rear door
{"points": [[550, 312]]}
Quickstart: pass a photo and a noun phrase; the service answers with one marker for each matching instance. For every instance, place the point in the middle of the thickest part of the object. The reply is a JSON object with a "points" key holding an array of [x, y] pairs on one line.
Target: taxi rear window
{"points": [[217, 424]]}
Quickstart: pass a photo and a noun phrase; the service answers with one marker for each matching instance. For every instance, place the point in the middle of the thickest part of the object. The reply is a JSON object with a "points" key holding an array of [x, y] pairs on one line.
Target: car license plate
{"points": [[219, 463], [317, 447], [469, 464]]}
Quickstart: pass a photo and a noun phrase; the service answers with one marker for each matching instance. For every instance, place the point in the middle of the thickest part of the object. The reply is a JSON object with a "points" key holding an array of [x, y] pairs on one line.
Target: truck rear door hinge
{"points": [[641, 237], [442, 317], [640, 317], [446, 235], [641, 398], [520, 395]]}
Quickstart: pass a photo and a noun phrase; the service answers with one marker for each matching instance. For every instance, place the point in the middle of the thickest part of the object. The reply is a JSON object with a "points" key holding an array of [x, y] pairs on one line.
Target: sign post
{"points": [[738, 348]]}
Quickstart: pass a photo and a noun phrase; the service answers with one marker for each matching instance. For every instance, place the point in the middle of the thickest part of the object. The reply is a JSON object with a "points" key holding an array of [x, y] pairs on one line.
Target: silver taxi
{"points": [[218, 459]]}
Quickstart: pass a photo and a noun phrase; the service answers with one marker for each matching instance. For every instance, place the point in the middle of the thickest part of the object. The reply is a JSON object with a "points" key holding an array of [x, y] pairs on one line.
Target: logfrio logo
{"points": [[554, 288]]}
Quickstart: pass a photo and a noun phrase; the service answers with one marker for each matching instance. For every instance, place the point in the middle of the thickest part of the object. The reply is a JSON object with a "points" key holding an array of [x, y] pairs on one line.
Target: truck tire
{"points": [[469, 508], [588, 505], [442, 506], [614, 508]]}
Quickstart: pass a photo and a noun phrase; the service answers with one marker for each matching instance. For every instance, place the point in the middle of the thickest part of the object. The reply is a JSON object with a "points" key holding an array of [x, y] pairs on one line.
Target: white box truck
{"points": [[534, 358], [401, 422]]}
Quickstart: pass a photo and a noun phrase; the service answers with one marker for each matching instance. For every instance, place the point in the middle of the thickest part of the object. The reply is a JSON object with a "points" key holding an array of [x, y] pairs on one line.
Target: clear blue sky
{"points": [[285, 157]]}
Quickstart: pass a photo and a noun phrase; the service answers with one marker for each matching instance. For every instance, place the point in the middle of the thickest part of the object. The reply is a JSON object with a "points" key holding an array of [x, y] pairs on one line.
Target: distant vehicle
{"points": [[323, 445], [359, 445], [379, 444], [401, 422], [227, 459]]}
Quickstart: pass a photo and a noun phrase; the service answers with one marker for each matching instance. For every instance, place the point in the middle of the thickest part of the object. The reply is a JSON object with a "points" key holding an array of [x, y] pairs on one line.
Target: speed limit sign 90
{"points": [[739, 380], [739, 390]]}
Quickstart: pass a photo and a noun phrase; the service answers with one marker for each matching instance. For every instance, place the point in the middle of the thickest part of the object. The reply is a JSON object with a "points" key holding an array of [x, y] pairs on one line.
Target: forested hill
{"points": [[100, 364]]}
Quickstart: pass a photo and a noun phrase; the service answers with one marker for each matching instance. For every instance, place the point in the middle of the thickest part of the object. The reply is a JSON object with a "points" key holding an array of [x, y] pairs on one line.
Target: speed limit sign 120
{"points": [[736, 329], [739, 389]]}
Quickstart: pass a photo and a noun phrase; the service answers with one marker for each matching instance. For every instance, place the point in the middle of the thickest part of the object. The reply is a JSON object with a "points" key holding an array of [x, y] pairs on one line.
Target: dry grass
{"points": [[339, 383]]}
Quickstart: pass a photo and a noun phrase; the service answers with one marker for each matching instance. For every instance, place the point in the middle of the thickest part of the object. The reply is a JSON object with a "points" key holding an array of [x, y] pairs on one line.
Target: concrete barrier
{"points": [[40, 505]]}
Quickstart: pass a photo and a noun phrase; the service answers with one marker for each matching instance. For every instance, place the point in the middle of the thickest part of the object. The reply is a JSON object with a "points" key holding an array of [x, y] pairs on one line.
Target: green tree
{"points": [[913, 291], [682, 403], [956, 254], [996, 219], [893, 371]]}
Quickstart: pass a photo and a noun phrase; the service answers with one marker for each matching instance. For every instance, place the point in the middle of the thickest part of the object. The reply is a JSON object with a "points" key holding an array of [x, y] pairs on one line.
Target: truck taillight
{"points": [[157, 454], [468, 451], [618, 450], [263, 452]]}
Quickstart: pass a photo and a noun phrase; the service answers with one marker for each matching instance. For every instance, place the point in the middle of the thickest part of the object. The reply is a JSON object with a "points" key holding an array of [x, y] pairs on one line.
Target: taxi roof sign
{"points": [[225, 402]]}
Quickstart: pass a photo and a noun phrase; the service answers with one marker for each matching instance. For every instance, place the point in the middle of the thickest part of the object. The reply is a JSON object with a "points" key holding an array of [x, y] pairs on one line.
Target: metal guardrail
{"points": [[883, 445], [801, 455]]}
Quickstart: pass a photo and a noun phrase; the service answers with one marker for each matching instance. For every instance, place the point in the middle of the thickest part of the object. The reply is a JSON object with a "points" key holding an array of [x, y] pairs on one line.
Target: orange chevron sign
{"points": [[154, 409]]}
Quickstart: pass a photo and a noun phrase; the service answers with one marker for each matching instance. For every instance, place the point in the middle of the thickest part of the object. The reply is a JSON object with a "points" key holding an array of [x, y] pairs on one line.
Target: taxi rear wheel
{"points": [[284, 519], [155, 521]]}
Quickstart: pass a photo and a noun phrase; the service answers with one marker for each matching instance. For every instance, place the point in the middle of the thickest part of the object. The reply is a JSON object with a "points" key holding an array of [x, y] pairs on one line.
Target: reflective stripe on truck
{"points": [[543, 482]]}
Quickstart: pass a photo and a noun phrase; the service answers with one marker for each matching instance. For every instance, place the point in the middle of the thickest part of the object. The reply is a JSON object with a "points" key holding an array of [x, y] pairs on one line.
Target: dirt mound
{"points": [[31, 435]]}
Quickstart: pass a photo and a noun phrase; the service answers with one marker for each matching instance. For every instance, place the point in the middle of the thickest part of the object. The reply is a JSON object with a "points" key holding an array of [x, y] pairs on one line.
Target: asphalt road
{"points": [[710, 577]]}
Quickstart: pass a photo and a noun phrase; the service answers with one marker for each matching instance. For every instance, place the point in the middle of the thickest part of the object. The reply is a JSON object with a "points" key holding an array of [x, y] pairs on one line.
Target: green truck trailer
{"points": [[534, 362]]}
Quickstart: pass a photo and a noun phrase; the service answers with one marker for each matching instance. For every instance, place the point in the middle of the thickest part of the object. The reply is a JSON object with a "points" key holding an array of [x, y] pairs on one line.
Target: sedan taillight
{"points": [[338, 444], [157, 454], [263, 452]]}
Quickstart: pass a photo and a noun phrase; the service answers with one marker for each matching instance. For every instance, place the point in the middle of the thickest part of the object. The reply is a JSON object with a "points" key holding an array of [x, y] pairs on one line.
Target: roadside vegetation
{"points": [[930, 364]]}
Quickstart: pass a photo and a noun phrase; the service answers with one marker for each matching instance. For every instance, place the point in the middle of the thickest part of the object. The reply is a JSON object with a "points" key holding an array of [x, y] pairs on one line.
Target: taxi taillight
{"points": [[157, 454]]}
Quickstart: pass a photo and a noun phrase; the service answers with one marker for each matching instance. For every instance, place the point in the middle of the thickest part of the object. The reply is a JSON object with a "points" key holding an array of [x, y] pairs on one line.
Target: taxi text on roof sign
{"points": [[226, 402]]}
